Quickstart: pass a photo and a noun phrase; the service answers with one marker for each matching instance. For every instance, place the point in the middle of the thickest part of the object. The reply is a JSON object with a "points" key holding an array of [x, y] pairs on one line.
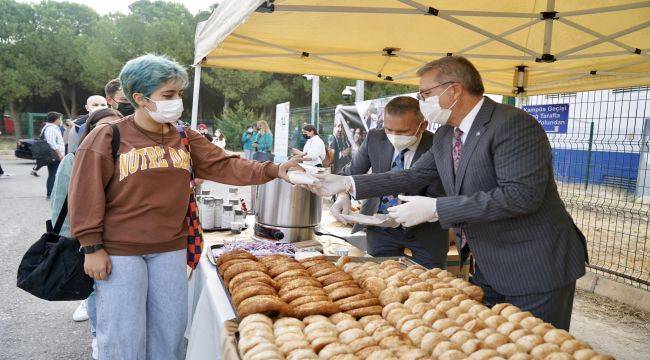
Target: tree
{"points": [[233, 123]]}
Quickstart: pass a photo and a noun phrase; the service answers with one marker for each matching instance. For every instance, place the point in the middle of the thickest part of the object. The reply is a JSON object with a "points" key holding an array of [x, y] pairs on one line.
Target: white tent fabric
{"points": [[520, 46]]}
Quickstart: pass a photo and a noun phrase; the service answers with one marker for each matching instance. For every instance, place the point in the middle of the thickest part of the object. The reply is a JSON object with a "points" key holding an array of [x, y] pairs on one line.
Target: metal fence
{"points": [[602, 169], [302, 115]]}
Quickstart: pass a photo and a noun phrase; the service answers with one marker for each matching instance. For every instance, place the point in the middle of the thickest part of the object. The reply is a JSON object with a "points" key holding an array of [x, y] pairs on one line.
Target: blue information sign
{"points": [[553, 117]]}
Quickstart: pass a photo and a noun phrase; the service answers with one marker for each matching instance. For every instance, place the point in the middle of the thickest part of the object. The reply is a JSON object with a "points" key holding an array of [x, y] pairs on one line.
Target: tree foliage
{"points": [[56, 54]]}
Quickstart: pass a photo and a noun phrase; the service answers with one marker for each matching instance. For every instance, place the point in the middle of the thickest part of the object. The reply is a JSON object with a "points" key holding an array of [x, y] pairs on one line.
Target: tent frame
{"points": [[548, 17]]}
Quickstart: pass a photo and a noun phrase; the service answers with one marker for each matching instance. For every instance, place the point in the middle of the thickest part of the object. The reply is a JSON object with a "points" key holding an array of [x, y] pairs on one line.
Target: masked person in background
{"points": [[219, 139], [93, 103], [115, 98], [247, 139], [402, 141], [130, 214], [314, 151], [495, 164], [203, 130]]}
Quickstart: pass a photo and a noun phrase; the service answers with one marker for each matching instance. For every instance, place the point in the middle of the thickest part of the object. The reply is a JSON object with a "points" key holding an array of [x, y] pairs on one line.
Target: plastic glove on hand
{"points": [[342, 205], [330, 184], [414, 210]]}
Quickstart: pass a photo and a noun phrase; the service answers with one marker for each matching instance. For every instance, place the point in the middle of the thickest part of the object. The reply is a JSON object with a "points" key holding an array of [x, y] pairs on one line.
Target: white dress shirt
{"points": [[409, 155], [54, 138], [467, 122], [315, 149]]}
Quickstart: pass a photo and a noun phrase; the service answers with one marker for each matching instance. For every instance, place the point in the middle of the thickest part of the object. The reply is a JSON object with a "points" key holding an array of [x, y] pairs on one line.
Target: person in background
{"points": [[248, 138], [219, 139], [135, 234], [263, 146], [93, 103], [298, 140], [87, 308], [358, 137], [51, 133], [341, 146], [115, 98], [314, 151], [2, 173], [203, 130]]}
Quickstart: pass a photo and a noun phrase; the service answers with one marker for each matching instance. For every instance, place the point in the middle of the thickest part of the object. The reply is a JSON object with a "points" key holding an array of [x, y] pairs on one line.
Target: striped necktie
{"points": [[390, 200]]}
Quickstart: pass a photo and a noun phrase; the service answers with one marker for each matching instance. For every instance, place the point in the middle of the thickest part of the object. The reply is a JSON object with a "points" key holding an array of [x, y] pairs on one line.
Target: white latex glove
{"points": [[341, 206], [414, 210], [330, 184]]}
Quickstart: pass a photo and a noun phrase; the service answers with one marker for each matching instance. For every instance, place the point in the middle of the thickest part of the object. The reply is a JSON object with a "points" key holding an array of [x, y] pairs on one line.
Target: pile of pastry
{"points": [[338, 337], [445, 318], [341, 288], [391, 282], [297, 287]]}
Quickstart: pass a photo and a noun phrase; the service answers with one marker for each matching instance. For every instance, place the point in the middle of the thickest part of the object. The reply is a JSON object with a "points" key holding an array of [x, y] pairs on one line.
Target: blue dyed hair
{"points": [[146, 73]]}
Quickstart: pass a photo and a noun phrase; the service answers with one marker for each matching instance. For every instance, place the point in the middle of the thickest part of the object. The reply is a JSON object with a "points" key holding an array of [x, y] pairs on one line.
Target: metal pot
{"points": [[290, 209]]}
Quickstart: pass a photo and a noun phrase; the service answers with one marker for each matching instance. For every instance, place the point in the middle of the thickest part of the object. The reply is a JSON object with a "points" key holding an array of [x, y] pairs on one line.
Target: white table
{"points": [[208, 309]]}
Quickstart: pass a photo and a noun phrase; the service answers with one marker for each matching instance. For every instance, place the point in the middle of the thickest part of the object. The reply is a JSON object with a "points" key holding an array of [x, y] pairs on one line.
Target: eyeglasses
{"points": [[421, 93]]}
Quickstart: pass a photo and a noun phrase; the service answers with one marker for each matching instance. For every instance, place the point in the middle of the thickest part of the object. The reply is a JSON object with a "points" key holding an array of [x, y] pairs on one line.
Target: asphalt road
{"points": [[31, 328]]}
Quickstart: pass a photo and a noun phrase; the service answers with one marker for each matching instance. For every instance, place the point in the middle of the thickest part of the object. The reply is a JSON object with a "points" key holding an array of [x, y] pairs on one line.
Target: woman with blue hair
{"points": [[130, 214]]}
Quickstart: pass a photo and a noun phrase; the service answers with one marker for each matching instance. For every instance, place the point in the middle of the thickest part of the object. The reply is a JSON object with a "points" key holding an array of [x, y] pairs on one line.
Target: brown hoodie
{"points": [[144, 209]]}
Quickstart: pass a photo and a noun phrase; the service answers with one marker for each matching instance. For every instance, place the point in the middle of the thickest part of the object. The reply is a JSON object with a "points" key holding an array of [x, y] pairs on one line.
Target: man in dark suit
{"points": [[494, 162], [402, 141]]}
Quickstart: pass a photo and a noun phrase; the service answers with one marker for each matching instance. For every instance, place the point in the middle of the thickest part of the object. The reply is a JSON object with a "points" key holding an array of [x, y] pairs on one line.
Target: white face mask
{"points": [[167, 111], [432, 111], [401, 142]]}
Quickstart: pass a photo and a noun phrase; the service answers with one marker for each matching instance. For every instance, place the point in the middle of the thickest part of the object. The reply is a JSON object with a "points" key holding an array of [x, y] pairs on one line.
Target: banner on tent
{"points": [[553, 117]]}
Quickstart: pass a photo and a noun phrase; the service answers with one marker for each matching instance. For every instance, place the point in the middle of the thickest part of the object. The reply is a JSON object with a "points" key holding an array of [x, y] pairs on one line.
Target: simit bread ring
{"points": [[332, 287], [345, 292], [302, 354], [326, 271], [230, 263], [289, 346], [244, 292], [249, 276], [321, 266], [275, 270], [302, 291], [362, 296], [291, 273], [297, 283], [308, 299], [333, 349], [349, 335], [242, 267], [365, 311], [315, 308], [358, 304], [333, 278], [235, 254], [312, 258], [261, 304], [249, 283], [283, 281], [362, 343], [338, 317], [274, 257]]}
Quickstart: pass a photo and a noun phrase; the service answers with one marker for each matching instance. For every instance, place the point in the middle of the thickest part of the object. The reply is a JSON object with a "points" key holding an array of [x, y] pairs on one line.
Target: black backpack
{"points": [[53, 267], [42, 152]]}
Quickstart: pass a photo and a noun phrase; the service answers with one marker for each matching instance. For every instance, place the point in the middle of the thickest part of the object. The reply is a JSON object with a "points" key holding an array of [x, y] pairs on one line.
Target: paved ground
{"points": [[35, 329]]}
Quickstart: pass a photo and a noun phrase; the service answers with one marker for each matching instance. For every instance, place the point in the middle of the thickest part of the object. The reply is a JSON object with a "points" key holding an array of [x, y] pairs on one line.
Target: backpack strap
{"points": [[115, 142]]}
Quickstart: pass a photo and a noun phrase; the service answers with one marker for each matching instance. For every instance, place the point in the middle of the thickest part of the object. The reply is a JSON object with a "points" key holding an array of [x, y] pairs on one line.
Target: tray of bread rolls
{"points": [[384, 309]]}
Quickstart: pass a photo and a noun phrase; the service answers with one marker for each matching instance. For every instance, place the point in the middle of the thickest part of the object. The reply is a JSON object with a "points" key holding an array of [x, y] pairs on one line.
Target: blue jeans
{"points": [[248, 154], [91, 308], [142, 307], [51, 175]]}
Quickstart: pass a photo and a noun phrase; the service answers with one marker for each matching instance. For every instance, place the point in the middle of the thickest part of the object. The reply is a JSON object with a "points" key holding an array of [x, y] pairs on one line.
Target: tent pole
{"points": [[572, 24], [642, 4], [195, 96], [548, 26], [359, 96]]}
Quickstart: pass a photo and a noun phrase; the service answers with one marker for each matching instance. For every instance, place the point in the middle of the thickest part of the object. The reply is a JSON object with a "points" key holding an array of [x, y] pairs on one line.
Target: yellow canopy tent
{"points": [[519, 46]]}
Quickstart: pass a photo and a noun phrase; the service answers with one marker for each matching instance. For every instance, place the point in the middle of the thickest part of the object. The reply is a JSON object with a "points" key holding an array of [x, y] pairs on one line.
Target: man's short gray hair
{"points": [[457, 69]]}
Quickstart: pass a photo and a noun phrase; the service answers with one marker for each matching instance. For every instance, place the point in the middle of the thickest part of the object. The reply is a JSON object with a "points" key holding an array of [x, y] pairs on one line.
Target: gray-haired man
{"points": [[494, 162]]}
